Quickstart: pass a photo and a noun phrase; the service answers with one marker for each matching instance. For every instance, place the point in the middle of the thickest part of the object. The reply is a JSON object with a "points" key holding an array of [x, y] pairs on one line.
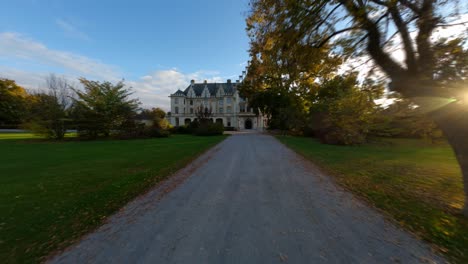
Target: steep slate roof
{"points": [[179, 93], [229, 88]]}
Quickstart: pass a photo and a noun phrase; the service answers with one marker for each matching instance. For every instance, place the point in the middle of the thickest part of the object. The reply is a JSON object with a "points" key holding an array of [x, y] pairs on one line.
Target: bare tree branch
{"points": [[336, 33], [405, 36], [391, 67], [451, 25], [410, 5]]}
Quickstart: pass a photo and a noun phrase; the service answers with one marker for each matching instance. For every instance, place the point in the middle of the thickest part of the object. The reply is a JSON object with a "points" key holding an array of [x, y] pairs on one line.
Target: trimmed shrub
{"points": [[130, 130], [230, 129], [181, 130], [209, 129], [156, 132]]}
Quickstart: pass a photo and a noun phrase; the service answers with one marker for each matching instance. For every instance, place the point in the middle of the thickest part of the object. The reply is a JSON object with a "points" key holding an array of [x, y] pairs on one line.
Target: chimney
{"points": [[205, 81], [228, 80], [240, 77], [192, 81], [237, 81], [243, 72]]}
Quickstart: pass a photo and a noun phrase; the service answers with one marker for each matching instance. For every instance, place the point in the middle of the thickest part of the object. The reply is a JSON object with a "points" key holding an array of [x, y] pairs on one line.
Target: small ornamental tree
{"points": [[103, 108], [49, 109], [204, 125], [203, 114]]}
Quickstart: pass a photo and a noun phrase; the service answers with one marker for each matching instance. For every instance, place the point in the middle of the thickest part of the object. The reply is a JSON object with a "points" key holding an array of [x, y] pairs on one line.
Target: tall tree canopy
{"points": [[373, 27], [13, 103], [434, 70]]}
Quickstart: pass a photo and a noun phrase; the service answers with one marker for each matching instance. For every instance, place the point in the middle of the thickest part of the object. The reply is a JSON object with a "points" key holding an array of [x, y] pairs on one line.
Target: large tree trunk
{"points": [[452, 119]]}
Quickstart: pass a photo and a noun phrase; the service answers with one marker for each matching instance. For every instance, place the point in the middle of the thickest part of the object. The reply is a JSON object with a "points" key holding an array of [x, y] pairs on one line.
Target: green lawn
{"points": [[417, 183], [54, 192]]}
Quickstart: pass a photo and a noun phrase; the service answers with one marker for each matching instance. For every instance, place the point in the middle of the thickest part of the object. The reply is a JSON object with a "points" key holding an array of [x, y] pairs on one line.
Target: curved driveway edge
{"points": [[249, 200]]}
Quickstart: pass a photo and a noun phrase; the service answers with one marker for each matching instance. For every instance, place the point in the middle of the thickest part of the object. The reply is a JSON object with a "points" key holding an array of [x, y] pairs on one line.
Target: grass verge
{"points": [[417, 183], [54, 192]]}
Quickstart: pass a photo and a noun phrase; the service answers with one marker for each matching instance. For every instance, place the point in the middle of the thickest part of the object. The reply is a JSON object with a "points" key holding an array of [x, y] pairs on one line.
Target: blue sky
{"points": [[157, 46]]}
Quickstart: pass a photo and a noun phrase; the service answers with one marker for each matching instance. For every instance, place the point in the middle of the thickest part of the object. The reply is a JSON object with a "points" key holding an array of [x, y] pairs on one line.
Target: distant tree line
{"points": [[99, 110]]}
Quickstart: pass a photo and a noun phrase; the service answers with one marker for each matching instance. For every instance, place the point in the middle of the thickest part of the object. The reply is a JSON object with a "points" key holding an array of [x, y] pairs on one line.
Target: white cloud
{"points": [[152, 89], [71, 31], [17, 47], [29, 80]]}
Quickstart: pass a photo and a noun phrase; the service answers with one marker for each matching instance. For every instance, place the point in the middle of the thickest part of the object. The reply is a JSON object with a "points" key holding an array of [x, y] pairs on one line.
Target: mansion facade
{"points": [[227, 107]]}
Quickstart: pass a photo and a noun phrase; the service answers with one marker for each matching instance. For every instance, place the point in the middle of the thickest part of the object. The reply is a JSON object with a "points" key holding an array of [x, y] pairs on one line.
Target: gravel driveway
{"points": [[248, 200]]}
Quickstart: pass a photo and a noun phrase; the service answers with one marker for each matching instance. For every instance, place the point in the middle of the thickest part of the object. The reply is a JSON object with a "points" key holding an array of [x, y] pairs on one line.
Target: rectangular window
{"points": [[176, 100], [221, 110], [191, 110], [191, 102], [228, 100], [177, 121], [228, 109], [228, 121], [220, 102], [176, 110]]}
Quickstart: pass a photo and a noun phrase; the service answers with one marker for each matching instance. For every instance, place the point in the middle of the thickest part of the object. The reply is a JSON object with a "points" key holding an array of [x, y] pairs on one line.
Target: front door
{"points": [[248, 124]]}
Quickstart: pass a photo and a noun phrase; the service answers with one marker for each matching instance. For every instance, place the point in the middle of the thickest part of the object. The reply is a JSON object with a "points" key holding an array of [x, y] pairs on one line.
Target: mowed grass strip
{"points": [[26, 135], [54, 192], [4, 136], [418, 183]]}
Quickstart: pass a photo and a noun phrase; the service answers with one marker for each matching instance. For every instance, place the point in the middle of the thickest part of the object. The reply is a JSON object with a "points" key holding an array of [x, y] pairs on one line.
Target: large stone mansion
{"points": [[224, 101]]}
